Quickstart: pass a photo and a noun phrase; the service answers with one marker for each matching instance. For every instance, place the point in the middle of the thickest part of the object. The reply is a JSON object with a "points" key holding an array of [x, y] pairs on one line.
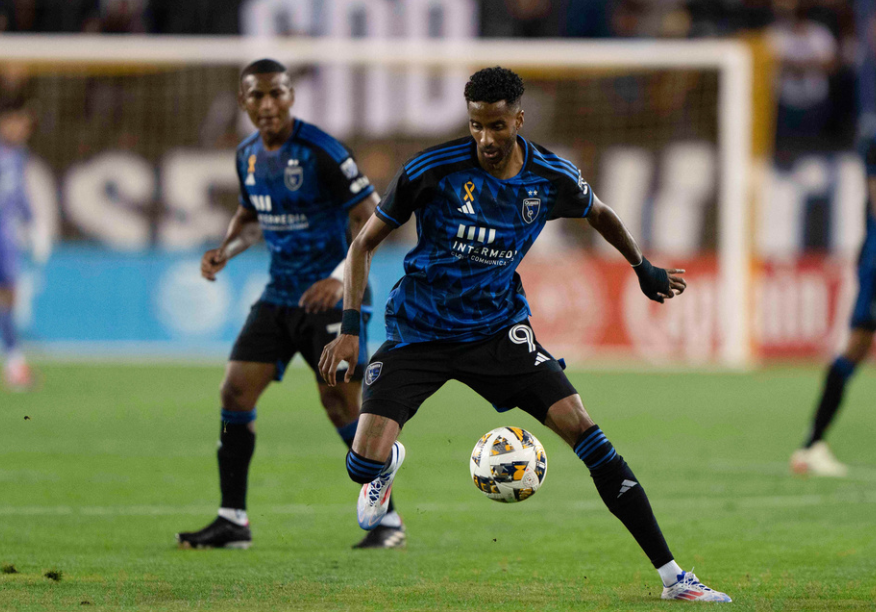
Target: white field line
{"points": [[730, 503]]}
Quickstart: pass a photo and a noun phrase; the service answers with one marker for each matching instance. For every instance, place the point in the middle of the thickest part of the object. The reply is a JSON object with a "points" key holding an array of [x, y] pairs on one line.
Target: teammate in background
{"points": [[303, 188], [460, 311], [815, 457], [16, 127]]}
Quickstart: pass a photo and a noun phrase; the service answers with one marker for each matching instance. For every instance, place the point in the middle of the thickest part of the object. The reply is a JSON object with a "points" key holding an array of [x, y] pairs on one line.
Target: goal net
{"points": [[137, 136]]}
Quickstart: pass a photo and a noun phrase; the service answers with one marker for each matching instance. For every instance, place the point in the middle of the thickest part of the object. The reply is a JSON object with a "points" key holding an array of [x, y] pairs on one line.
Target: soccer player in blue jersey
{"points": [[815, 457], [303, 189], [460, 311], [16, 126]]}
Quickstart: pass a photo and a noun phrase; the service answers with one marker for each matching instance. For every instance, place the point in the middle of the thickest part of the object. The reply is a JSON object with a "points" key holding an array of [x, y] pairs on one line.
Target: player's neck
{"points": [[272, 142], [508, 167]]}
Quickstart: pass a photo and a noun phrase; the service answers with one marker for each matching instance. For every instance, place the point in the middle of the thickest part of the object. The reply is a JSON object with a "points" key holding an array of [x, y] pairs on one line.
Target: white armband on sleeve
{"points": [[338, 272]]}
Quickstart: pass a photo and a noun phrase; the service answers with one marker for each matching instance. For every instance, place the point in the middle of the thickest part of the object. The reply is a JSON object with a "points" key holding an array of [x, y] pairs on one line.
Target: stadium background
{"points": [[132, 172]]}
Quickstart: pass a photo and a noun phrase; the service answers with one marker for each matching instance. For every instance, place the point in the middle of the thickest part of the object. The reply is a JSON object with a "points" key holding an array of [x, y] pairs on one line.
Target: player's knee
{"points": [[339, 406], [234, 394]]}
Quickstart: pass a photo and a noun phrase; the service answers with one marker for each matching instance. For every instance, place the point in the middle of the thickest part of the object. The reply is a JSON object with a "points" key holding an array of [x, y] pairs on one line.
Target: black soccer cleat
{"points": [[221, 533], [383, 537]]}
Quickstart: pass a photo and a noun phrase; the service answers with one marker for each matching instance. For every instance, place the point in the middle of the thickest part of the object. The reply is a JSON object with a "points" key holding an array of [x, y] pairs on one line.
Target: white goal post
{"points": [[730, 59]]}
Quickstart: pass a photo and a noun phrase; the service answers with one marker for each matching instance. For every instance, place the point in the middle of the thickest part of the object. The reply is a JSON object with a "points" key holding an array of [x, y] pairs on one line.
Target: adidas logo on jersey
{"points": [[626, 485], [468, 199], [540, 358]]}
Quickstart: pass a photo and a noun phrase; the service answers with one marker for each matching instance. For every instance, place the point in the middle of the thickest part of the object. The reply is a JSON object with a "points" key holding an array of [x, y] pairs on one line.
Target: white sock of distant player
{"points": [[669, 573], [236, 516], [391, 520]]}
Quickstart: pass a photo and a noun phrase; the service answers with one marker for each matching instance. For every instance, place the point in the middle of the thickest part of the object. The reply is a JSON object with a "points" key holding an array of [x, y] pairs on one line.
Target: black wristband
{"points": [[350, 322], [653, 281]]}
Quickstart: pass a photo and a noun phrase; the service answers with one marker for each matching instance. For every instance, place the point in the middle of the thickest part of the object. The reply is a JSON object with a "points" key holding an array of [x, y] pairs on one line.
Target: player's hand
{"points": [[342, 348], [322, 295], [659, 284], [212, 263]]}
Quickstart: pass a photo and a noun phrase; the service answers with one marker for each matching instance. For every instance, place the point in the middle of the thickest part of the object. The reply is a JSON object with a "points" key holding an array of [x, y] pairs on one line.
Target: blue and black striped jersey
{"points": [[302, 193], [460, 281]]}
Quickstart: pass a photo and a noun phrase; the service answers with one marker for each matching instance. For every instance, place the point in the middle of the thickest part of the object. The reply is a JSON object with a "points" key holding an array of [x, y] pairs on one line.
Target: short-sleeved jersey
{"points": [[473, 229], [302, 193], [14, 205]]}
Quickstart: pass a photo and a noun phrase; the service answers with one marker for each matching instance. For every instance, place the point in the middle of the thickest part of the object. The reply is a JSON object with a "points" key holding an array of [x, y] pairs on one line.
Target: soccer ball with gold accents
{"points": [[508, 464]]}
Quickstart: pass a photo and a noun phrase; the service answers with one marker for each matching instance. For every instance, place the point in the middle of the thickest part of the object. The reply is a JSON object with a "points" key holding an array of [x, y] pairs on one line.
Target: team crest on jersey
{"points": [[373, 372], [530, 209], [293, 176]]}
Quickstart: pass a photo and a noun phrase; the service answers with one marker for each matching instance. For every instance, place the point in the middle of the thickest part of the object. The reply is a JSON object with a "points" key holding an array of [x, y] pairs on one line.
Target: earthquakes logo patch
{"points": [[467, 199], [293, 177], [522, 334], [373, 372], [250, 177], [530, 209]]}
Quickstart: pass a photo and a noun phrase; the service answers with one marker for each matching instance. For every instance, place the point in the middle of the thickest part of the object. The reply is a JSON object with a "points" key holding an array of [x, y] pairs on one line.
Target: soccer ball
{"points": [[508, 464]]}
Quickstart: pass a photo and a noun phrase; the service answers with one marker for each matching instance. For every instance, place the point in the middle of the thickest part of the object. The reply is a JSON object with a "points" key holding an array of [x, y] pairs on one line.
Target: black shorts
{"points": [[509, 370], [273, 334]]}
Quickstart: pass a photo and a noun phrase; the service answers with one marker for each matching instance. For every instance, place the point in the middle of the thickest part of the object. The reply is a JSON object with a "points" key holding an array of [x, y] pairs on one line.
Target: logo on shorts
{"points": [[373, 372]]}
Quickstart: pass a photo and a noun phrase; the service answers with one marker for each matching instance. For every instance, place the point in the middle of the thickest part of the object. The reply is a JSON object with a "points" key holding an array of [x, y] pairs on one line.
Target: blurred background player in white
{"points": [[16, 127], [304, 190], [815, 457]]}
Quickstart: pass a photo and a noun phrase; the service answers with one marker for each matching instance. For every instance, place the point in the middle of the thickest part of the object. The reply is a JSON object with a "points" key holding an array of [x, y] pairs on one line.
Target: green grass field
{"points": [[114, 459]]}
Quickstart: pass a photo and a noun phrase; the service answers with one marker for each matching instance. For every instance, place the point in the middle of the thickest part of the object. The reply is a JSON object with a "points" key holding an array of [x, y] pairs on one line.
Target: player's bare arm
{"points": [[243, 232], [325, 293], [609, 225], [358, 263]]}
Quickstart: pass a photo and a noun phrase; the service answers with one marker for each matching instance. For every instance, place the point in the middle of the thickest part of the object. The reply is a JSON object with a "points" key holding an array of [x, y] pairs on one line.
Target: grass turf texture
{"points": [[115, 459]]}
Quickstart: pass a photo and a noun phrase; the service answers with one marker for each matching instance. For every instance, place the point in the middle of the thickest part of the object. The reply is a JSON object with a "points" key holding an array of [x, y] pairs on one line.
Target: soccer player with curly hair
{"points": [[460, 311]]}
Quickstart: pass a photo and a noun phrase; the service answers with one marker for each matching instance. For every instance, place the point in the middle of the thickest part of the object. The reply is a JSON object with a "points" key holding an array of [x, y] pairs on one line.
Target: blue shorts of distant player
{"points": [[8, 264], [864, 313]]}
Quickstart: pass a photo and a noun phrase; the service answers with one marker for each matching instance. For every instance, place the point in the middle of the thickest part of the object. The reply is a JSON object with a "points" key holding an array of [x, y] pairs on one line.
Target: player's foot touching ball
{"points": [[374, 497], [817, 460], [689, 588], [221, 533]]}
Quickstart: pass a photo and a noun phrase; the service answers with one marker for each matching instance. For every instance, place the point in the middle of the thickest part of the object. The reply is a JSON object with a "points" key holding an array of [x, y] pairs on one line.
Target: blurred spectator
{"points": [[50, 15], [650, 19], [194, 16], [806, 52], [520, 18], [122, 16]]}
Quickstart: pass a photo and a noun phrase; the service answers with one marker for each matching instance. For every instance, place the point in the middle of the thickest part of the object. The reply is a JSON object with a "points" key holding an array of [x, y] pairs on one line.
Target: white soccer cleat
{"points": [[18, 376], [817, 460], [374, 496], [690, 588]]}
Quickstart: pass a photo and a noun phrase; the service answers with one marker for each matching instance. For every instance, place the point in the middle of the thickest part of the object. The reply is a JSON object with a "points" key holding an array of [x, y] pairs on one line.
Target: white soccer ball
{"points": [[508, 464]]}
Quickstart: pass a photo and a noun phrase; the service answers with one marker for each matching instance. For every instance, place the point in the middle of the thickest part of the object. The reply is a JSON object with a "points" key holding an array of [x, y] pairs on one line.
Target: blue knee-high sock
{"points": [[7, 330], [347, 433], [361, 469], [834, 388], [622, 493], [236, 447]]}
